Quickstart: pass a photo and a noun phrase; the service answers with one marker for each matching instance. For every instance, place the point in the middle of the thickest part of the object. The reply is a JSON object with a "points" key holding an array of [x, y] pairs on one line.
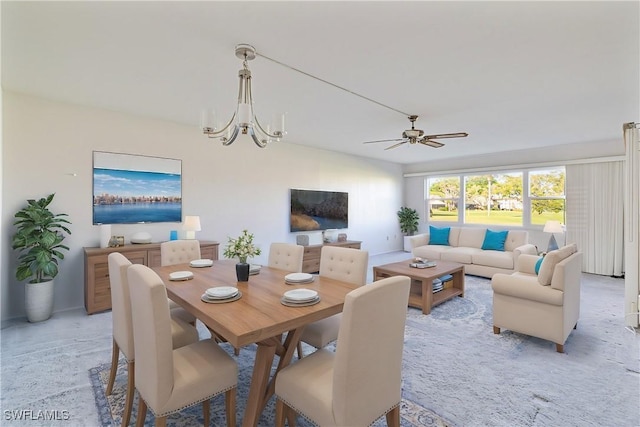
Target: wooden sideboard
{"points": [[311, 257], [97, 288]]}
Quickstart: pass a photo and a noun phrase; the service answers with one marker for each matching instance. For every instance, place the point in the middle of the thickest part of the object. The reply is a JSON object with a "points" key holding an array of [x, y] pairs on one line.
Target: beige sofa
{"points": [[465, 247], [544, 305]]}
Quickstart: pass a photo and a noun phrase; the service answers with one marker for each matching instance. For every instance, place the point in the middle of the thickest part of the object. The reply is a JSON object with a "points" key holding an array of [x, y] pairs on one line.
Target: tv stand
{"points": [[311, 257]]}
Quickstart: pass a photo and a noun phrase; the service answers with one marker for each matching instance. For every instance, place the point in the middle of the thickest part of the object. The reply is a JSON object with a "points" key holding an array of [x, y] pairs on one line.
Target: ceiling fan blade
{"points": [[396, 145], [431, 143], [384, 140], [447, 135]]}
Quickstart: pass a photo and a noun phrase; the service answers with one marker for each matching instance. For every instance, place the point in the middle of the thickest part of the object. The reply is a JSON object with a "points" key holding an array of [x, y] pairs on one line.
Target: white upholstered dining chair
{"points": [[179, 252], [361, 380], [182, 333], [344, 264], [173, 379], [286, 256]]}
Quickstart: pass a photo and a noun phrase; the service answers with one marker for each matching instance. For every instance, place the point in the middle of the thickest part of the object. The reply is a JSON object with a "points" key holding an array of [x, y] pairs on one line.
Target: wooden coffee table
{"points": [[422, 295]]}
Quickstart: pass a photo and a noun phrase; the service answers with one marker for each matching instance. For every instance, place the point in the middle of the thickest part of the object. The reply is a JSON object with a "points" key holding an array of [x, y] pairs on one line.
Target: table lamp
{"points": [[191, 225], [553, 227]]}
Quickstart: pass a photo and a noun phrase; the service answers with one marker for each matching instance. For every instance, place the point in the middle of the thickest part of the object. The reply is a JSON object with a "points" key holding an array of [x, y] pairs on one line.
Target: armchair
{"points": [[544, 305]]}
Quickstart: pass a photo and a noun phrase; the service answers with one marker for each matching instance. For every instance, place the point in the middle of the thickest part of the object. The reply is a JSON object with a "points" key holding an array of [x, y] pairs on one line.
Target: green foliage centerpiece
{"points": [[242, 248]]}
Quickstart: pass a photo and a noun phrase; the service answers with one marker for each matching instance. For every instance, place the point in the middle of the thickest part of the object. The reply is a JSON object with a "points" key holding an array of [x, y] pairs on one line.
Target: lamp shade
{"points": [[553, 227], [191, 225]]}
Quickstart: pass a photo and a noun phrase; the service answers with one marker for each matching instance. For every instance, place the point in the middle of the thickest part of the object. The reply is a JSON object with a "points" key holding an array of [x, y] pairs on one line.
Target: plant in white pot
{"points": [[39, 239], [408, 224]]}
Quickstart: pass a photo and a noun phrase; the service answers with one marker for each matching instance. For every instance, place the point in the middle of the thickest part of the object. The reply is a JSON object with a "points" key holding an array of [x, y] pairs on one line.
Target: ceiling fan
{"points": [[415, 136]]}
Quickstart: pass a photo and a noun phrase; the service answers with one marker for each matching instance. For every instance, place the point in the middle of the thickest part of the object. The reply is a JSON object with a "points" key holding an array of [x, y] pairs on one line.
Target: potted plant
{"points": [[408, 224], [39, 239], [242, 248]]}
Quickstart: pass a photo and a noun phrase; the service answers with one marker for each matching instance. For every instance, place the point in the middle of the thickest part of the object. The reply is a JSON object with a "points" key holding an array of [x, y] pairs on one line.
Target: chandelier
{"points": [[244, 119]]}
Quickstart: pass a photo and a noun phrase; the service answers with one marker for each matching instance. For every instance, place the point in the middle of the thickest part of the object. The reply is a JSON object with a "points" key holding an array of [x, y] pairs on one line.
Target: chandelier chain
{"points": [[331, 84]]}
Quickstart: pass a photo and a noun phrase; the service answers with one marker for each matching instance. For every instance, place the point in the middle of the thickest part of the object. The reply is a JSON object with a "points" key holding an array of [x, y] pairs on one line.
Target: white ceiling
{"points": [[514, 75]]}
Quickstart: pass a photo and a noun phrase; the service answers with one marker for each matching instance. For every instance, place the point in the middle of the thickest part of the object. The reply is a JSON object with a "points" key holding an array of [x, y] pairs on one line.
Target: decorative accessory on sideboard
{"points": [[244, 119], [191, 225], [242, 248], [553, 227]]}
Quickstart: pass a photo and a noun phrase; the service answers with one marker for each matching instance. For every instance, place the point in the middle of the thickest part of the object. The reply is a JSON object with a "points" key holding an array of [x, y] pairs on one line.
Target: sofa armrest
{"points": [[419, 240], [525, 287], [527, 264], [527, 248]]}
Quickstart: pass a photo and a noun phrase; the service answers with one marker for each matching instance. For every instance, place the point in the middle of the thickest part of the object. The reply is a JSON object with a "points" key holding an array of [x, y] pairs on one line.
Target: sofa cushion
{"points": [[471, 237], [439, 236], [462, 255], [430, 252], [498, 259], [551, 259], [494, 240], [515, 239]]}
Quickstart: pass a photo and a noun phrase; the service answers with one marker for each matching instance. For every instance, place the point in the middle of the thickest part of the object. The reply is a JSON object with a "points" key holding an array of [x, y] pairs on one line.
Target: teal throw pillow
{"points": [[538, 264], [439, 236], [494, 240]]}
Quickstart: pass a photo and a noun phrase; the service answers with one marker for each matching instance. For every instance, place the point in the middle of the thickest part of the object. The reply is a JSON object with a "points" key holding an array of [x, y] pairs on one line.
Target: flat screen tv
{"points": [[318, 210], [133, 189]]}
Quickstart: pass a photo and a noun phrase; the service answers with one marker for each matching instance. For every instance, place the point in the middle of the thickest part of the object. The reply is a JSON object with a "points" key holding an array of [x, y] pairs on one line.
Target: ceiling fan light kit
{"points": [[415, 136], [244, 121]]}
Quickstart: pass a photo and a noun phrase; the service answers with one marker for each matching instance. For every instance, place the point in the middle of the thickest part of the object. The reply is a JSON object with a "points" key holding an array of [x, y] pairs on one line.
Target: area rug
{"points": [[110, 407]]}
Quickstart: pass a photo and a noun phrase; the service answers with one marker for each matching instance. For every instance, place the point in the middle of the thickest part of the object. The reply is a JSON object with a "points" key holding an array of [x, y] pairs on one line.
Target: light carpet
{"points": [[110, 407], [456, 366]]}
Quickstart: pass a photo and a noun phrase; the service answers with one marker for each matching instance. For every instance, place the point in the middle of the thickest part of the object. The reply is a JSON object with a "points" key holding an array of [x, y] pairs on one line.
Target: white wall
{"points": [[48, 146]]}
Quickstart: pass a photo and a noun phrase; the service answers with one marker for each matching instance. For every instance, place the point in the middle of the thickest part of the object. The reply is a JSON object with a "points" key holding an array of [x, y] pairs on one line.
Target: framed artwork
{"points": [[133, 189]]}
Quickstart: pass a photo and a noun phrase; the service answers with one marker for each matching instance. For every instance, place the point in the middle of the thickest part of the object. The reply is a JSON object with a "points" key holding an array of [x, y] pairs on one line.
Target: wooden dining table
{"points": [[257, 317]]}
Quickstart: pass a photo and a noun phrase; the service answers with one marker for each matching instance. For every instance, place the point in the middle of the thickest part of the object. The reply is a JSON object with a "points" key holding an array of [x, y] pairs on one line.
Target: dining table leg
{"points": [[262, 387]]}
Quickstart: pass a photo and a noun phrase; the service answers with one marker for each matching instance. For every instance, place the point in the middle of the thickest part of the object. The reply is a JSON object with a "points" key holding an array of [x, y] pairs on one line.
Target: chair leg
{"points": [[290, 415], [206, 412], [496, 330], [393, 417], [575, 326], [126, 414], [230, 406], [279, 413], [300, 354], [115, 353], [142, 412], [161, 422], [560, 348]]}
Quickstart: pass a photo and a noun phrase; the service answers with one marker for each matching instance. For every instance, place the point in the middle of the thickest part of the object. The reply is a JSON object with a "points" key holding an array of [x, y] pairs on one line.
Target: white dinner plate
{"points": [[300, 295], [222, 292], [298, 277], [201, 263], [180, 275], [254, 268]]}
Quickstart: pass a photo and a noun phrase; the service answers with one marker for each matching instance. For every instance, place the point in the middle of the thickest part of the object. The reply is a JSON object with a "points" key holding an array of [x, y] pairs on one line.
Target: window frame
{"points": [[527, 199]]}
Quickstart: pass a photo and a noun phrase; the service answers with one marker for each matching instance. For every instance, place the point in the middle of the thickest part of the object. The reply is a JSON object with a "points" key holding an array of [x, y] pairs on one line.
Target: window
{"points": [[546, 191], [497, 198], [442, 199], [493, 199]]}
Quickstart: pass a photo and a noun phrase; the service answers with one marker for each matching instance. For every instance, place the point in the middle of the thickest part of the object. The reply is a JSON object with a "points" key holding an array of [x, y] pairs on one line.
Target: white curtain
{"points": [[595, 215]]}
